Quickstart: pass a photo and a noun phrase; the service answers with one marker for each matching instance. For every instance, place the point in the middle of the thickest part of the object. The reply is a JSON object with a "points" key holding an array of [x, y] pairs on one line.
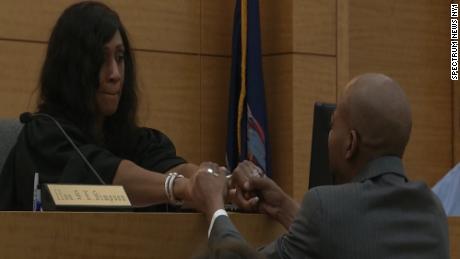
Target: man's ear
{"points": [[352, 145]]}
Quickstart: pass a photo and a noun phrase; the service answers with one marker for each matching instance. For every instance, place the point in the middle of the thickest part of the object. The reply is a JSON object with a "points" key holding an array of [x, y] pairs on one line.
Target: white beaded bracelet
{"points": [[169, 188], [167, 180]]}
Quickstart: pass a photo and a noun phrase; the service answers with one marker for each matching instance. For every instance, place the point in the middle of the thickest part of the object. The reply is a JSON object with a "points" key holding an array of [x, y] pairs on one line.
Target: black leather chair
{"points": [[319, 159], [9, 131]]}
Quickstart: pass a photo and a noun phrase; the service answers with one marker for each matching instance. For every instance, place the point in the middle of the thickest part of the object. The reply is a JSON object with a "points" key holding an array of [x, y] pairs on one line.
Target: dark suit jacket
{"points": [[380, 214]]}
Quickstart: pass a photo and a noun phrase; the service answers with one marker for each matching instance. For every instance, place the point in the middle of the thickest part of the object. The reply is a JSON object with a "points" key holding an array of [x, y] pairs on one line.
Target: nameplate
{"points": [[77, 195]]}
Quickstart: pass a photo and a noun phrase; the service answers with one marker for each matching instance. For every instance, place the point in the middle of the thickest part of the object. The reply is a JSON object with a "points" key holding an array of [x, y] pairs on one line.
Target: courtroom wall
{"points": [[310, 50], [409, 41], [323, 44]]}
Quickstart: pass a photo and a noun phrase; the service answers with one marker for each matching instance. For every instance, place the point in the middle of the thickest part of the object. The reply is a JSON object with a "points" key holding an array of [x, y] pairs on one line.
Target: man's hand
{"points": [[253, 191], [208, 188], [240, 194]]}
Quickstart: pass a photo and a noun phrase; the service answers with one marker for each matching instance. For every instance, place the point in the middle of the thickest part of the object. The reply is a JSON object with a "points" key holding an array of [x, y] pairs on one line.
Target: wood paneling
{"points": [[343, 46], [28, 19], [217, 26], [118, 235], [132, 235], [406, 42], [293, 83], [314, 80], [21, 63], [276, 26], [215, 82], [172, 25], [454, 236], [278, 72], [159, 25], [314, 25], [170, 98]]}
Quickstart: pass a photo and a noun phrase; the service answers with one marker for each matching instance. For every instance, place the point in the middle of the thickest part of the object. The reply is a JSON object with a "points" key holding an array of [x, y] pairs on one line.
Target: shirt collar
{"points": [[379, 166]]}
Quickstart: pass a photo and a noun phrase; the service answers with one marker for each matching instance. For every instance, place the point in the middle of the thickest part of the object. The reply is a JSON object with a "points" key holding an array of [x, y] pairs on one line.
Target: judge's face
{"points": [[111, 77]]}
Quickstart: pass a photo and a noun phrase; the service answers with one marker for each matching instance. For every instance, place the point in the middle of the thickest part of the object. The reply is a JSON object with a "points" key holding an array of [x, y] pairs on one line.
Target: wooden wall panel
{"points": [[275, 22], [160, 25], [217, 27], [278, 79], [132, 235], [313, 22], [21, 63], [170, 98], [343, 45], [406, 42], [314, 80], [172, 25], [28, 19], [276, 26], [454, 236], [314, 26], [214, 107], [119, 235]]}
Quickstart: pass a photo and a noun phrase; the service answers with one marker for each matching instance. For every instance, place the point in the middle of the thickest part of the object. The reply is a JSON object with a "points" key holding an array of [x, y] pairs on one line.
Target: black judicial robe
{"points": [[42, 148]]}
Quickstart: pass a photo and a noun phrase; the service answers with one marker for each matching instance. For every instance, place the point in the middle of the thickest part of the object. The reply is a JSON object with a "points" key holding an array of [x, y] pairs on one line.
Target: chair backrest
{"points": [[320, 173], [9, 131]]}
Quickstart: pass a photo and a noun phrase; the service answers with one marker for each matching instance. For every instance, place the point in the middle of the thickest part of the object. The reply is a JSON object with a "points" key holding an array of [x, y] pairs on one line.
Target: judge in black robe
{"points": [[88, 83], [41, 147]]}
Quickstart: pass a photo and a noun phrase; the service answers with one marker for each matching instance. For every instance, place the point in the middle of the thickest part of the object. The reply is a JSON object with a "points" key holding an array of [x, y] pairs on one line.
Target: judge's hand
{"points": [[208, 188]]}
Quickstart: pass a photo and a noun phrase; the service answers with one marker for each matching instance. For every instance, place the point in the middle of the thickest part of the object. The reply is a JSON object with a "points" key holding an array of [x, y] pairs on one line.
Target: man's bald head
{"points": [[372, 119], [377, 108]]}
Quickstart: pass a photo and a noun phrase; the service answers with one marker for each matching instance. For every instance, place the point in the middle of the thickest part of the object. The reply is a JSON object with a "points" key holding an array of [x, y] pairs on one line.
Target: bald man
{"points": [[374, 211]]}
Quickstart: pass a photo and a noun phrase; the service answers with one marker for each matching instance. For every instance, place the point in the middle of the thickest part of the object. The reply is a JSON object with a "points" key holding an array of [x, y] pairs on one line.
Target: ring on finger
{"points": [[256, 171], [211, 171]]}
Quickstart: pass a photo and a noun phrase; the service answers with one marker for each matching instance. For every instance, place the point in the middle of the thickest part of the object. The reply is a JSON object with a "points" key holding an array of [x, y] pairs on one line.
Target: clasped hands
{"points": [[248, 188]]}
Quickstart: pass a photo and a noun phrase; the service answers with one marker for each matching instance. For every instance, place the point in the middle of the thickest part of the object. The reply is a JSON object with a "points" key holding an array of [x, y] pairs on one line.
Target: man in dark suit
{"points": [[374, 211]]}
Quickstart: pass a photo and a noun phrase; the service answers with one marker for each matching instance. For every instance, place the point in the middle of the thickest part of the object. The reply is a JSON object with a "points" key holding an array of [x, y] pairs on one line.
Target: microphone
{"points": [[26, 117]]}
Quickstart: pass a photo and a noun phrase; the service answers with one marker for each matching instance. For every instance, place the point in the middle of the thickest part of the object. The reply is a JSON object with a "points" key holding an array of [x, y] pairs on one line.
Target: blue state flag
{"points": [[247, 135]]}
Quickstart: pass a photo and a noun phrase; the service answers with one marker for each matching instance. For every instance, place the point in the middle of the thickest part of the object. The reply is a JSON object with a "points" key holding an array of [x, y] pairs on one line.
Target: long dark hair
{"points": [[70, 74]]}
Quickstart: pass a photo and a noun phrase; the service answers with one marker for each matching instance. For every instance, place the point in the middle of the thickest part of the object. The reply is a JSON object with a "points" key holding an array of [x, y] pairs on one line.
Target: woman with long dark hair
{"points": [[88, 83]]}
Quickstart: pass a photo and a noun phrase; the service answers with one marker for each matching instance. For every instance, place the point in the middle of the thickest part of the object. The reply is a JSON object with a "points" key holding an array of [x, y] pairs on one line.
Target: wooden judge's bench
{"points": [[131, 235], [118, 235]]}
